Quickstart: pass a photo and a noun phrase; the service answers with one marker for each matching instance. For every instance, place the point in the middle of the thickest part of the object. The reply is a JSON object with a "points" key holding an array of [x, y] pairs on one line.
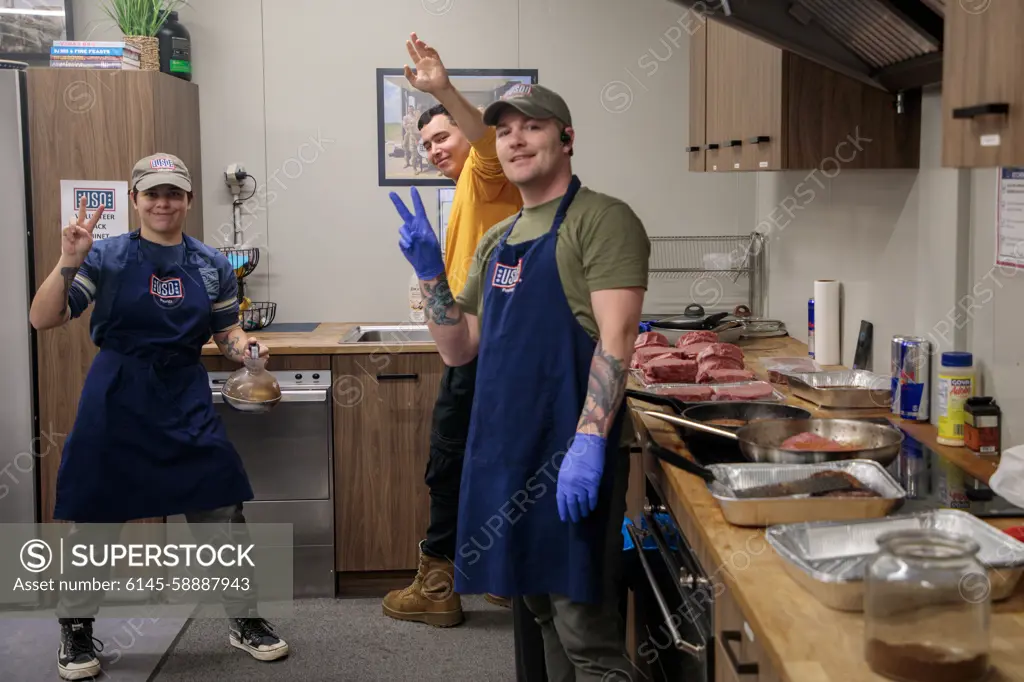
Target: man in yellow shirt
{"points": [[462, 147]]}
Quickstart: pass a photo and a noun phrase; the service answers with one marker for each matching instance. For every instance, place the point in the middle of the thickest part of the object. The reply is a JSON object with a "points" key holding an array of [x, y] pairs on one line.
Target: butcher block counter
{"points": [[794, 637], [324, 340]]}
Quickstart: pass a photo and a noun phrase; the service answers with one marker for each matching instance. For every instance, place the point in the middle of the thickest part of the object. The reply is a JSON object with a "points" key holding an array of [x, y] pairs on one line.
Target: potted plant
{"points": [[139, 21]]}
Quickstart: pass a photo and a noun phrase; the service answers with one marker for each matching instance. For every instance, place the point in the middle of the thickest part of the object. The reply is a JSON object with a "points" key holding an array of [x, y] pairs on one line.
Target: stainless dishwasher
{"points": [[288, 455]]}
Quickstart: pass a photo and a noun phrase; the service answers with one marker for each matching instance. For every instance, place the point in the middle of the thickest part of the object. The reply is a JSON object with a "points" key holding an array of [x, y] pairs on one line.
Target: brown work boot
{"points": [[431, 598]]}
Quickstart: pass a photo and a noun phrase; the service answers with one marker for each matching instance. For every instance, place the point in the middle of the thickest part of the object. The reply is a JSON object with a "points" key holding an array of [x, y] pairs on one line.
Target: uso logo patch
{"points": [[506, 277], [168, 293], [162, 164], [94, 198], [518, 90]]}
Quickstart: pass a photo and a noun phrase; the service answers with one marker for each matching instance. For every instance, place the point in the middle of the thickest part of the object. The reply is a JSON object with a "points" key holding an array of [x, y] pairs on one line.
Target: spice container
{"points": [[927, 608], [982, 427], [956, 385]]}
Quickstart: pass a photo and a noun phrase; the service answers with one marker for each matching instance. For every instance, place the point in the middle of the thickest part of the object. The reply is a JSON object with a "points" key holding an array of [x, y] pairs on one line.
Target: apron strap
{"points": [[563, 208]]}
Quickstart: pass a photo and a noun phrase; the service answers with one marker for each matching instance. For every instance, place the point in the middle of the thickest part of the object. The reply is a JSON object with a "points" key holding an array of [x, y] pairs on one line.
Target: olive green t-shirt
{"points": [[602, 244]]}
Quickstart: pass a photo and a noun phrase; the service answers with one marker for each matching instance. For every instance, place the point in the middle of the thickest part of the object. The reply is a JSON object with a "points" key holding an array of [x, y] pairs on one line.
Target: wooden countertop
{"points": [[805, 640], [324, 340]]}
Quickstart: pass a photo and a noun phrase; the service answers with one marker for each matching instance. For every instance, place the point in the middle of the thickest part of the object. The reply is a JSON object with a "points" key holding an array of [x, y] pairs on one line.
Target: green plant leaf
{"points": [[139, 17]]}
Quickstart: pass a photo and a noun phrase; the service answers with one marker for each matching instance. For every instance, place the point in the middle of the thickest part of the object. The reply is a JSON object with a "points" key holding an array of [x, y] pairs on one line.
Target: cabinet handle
{"points": [[711, 146], [733, 143], [396, 377], [740, 668], [759, 139], [982, 109], [693, 149]]}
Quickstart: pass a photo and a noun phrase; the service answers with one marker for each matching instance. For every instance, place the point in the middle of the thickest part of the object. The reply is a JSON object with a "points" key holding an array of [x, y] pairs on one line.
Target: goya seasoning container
{"points": [[956, 385]]}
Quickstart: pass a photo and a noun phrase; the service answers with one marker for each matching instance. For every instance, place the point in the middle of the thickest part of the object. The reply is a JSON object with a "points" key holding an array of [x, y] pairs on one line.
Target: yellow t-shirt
{"points": [[483, 198]]}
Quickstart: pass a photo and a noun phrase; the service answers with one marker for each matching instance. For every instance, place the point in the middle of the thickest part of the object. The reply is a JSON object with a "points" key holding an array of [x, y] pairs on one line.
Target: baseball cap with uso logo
{"points": [[534, 101], [161, 169]]}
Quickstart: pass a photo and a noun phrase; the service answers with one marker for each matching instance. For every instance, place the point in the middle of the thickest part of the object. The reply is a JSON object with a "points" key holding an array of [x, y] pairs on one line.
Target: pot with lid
{"points": [[252, 388]]}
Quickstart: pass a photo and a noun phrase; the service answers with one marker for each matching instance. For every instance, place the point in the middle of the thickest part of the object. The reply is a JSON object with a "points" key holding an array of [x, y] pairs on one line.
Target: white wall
{"points": [[288, 89]]}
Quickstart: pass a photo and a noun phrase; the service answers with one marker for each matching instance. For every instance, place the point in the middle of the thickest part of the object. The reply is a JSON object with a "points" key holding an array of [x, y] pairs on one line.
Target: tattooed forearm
{"points": [[231, 344], [68, 275], [604, 393], [439, 304]]}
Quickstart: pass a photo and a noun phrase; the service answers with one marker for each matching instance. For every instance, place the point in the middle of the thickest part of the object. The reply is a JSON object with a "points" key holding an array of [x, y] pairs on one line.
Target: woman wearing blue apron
{"points": [[146, 441], [551, 311]]}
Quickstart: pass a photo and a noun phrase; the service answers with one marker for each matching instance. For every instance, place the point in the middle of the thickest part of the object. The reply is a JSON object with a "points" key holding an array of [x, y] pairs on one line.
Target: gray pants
{"points": [[215, 527], [586, 642]]}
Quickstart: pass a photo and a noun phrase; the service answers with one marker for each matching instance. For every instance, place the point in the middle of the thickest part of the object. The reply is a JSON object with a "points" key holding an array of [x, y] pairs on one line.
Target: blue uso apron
{"points": [[146, 441], [532, 375]]}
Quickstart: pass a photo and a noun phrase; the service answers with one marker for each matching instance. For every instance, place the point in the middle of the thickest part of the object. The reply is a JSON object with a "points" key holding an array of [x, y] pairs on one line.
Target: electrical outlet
{"points": [[234, 176]]}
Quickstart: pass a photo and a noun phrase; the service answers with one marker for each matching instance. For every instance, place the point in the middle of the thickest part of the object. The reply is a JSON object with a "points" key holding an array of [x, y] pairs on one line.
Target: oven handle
{"points": [[302, 396], [694, 578], [677, 639]]}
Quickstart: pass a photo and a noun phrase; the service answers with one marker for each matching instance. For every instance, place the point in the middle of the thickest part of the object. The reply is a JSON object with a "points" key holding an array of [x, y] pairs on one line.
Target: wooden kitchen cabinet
{"points": [[982, 90], [739, 657], [754, 106], [383, 410]]}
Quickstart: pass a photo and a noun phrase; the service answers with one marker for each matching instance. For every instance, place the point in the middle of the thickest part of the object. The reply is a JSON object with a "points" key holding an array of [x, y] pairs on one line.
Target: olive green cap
{"points": [[534, 101]]}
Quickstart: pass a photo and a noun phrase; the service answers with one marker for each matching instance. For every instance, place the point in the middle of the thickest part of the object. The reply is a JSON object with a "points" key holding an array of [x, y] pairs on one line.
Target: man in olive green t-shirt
{"points": [[551, 310]]}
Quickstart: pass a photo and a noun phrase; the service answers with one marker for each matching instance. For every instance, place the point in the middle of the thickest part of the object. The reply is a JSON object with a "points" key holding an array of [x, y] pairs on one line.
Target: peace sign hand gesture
{"points": [[417, 239], [76, 238], [430, 76]]}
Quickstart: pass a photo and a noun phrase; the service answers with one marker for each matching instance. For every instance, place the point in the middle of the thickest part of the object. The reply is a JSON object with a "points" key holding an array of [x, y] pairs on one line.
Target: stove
{"points": [[933, 482]]}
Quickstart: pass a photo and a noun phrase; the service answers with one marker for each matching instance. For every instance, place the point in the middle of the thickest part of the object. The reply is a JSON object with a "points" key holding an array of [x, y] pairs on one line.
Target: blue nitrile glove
{"points": [[579, 476], [417, 239]]}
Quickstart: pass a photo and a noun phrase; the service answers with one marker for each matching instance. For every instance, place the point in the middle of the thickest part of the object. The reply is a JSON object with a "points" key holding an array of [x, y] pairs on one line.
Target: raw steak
{"points": [[650, 339], [669, 371], [722, 350], [812, 441], [699, 336], [689, 394], [692, 350], [717, 362], [723, 376], [755, 390], [642, 355]]}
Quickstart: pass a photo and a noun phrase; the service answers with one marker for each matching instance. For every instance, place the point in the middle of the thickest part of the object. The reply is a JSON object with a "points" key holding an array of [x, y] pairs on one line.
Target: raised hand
{"points": [[430, 75], [417, 239], [76, 238]]}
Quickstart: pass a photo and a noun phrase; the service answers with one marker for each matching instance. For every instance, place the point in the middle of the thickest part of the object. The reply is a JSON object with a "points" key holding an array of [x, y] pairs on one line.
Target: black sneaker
{"points": [[256, 636], [76, 657]]}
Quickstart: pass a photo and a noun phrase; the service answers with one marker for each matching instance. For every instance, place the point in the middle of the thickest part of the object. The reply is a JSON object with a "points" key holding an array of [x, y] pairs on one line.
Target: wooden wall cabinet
{"points": [[756, 107], [982, 89], [383, 413]]}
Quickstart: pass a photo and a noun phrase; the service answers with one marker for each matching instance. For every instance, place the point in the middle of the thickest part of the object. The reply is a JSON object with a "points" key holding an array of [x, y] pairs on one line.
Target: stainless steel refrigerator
{"points": [[18, 453]]}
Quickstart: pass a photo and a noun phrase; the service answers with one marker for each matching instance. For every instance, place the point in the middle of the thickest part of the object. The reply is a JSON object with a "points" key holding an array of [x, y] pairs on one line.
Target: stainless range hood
{"points": [[893, 45]]}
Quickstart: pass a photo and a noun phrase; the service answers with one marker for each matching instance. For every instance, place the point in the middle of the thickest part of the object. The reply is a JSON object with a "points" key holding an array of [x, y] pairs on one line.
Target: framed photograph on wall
{"points": [[401, 158], [29, 27]]}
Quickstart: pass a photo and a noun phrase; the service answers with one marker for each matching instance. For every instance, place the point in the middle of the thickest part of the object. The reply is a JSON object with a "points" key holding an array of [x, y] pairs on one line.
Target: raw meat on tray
{"points": [[642, 355], [754, 390], [723, 376], [689, 394], [699, 336], [692, 350], [669, 370], [721, 350], [650, 339]]}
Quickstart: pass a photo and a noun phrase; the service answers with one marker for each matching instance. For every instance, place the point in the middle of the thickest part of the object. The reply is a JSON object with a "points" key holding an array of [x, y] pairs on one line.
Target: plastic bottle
{"points": [[416, 313], [956, 385], [175, 48]]}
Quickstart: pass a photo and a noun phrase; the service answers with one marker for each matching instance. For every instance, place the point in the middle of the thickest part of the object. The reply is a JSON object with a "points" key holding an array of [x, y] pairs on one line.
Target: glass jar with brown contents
{"points": [[926, 608]]}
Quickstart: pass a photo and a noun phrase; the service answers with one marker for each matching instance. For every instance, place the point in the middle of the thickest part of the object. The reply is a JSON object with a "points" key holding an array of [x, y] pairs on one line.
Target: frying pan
{"points": [[713, 449], [760, 441]]}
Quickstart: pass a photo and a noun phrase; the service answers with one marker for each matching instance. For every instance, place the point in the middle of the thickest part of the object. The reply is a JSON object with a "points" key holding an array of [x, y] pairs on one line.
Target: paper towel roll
{"points": [[826, 322]]}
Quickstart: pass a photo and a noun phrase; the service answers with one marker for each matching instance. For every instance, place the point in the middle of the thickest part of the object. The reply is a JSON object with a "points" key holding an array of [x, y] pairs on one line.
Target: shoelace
{"points": [[82, 642], [257, 626]]}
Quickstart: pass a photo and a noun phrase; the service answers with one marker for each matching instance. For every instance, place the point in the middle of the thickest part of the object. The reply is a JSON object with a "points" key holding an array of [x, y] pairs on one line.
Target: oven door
{"points": [[673, 603]]}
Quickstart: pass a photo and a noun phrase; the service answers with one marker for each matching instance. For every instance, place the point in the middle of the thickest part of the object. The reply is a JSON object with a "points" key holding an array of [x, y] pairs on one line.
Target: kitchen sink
{"points": [[389, 335]]}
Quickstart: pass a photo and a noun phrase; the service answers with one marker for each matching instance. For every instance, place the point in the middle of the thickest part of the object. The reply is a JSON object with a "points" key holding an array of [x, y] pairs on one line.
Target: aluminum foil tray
{"points": [[661, 389], [801, 508], [846, 388], [829, 558]]}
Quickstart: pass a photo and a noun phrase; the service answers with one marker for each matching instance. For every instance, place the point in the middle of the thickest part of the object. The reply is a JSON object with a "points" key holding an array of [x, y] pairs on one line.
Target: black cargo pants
{"points": [[448, 436]]}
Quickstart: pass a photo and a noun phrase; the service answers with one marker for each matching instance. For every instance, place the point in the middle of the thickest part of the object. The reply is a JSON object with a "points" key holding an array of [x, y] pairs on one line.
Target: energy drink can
{"points": [[810, 327], [915, 378], [894, 372]]}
